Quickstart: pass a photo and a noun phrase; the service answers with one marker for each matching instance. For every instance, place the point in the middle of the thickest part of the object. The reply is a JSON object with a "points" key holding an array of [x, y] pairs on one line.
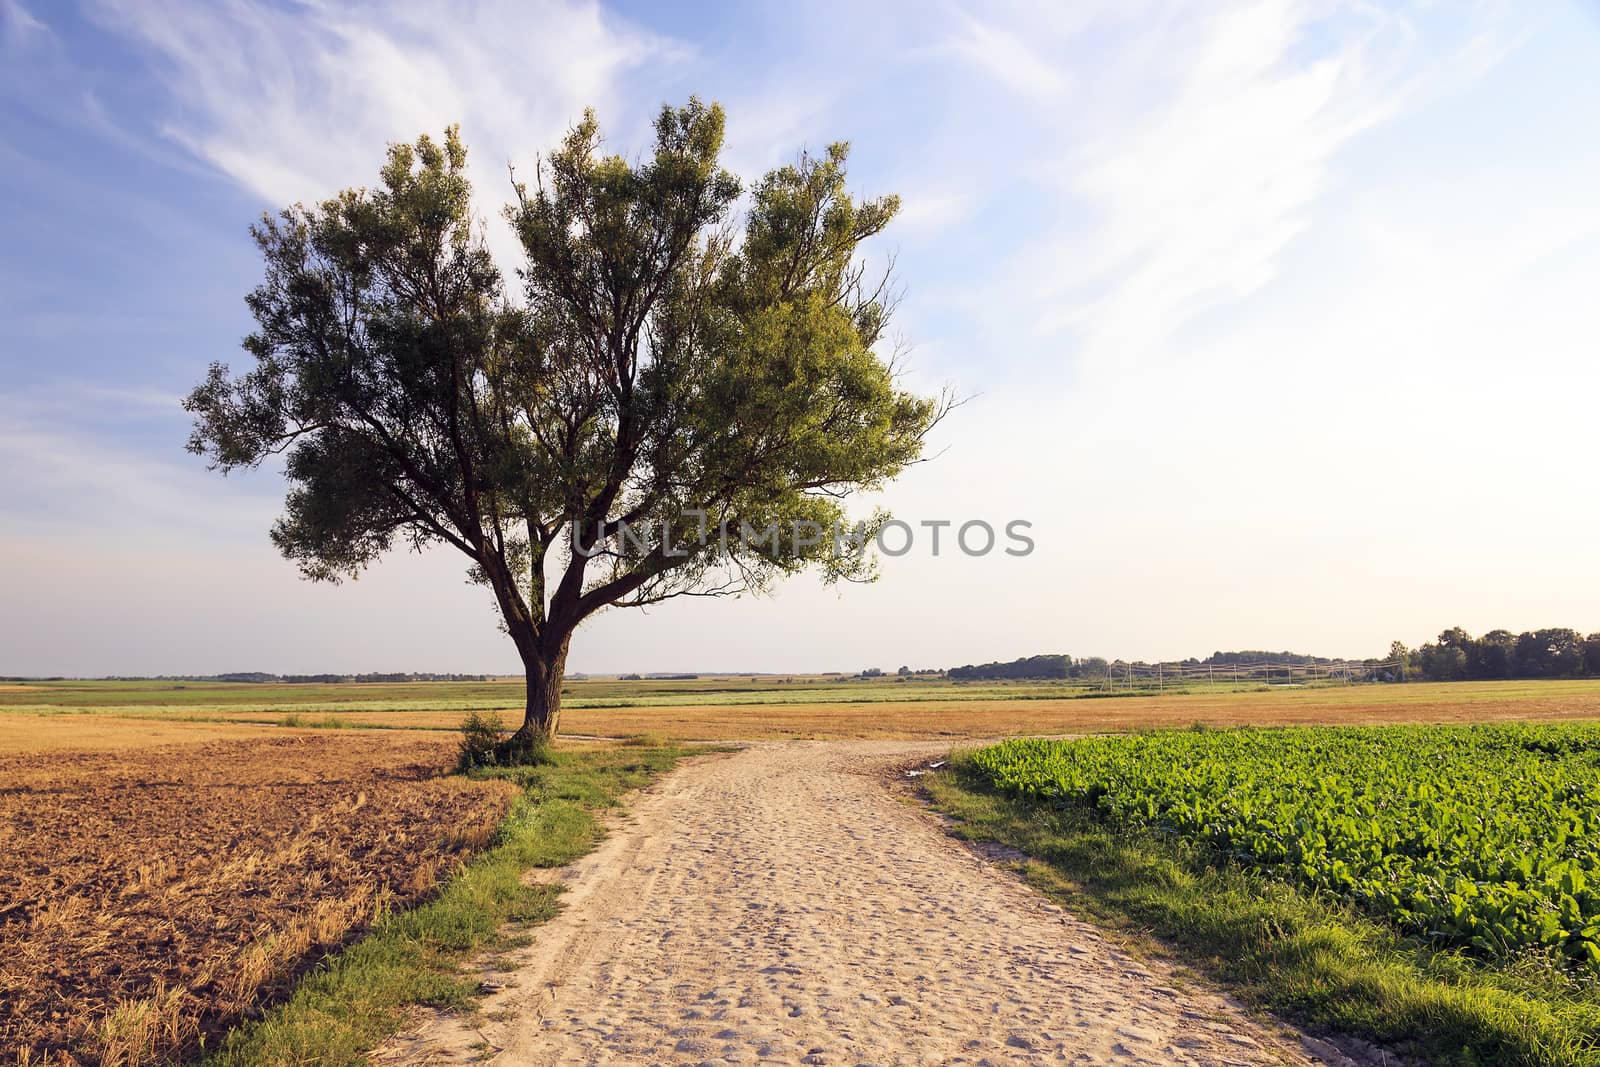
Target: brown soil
{"points": [[150, 895]]}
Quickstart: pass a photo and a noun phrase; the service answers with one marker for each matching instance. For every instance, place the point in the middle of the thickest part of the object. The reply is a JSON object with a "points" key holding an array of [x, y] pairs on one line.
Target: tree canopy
{"points": [[1555, 652], [661, 362]]}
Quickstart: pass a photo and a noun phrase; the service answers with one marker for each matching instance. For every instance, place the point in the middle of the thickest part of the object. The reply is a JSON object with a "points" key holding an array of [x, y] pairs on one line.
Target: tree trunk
{"points": [[542, 716]]}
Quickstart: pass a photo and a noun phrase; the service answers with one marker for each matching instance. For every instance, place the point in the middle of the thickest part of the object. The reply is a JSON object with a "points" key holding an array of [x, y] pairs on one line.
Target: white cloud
{"points": [[70, 469], [1003, 55], [296, 102], [932, 209], [89, 401], [1195, 204], [1206, 137]]}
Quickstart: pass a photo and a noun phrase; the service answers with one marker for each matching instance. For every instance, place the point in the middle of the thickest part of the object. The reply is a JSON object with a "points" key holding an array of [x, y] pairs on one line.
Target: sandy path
{"points": [[779, 905]]}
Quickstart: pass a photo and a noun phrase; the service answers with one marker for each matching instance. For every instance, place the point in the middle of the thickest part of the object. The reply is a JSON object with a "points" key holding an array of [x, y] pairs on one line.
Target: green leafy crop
{"points": [[1482, 837]]}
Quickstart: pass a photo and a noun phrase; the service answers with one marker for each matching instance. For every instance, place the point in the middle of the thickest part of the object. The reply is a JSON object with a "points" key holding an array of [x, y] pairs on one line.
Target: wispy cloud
{"points": [[1003, 54], [17, 26], [932, 208], [1228, 127], [89, 402], [1195, 203], [66, 448], [297, 101], [65, 482]]}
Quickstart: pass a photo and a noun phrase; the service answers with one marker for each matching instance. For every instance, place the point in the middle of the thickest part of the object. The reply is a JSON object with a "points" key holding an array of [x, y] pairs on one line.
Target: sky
{"points": [[1276, 320]]}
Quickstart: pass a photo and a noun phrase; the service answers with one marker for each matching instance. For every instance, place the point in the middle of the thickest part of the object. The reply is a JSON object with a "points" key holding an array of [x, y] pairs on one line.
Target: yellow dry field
{"points": [[1363, 705], [100, 733], [943, 714], [954, 720]]}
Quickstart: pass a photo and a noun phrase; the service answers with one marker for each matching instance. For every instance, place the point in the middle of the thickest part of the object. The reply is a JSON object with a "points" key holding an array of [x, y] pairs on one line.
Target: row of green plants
{"points": [[1485, 838]]}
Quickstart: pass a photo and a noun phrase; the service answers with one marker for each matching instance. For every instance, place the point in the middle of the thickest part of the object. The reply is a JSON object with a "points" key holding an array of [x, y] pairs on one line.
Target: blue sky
{"points": [[1278, 316]]}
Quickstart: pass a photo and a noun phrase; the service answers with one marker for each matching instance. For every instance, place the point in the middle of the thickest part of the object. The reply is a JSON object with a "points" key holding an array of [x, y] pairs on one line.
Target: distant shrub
{"points": [[646, 740], [325, 722]]}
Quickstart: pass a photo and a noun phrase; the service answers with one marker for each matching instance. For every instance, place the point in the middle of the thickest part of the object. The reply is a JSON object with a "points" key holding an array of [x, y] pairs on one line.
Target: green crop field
{"points": [[1483, 837]]}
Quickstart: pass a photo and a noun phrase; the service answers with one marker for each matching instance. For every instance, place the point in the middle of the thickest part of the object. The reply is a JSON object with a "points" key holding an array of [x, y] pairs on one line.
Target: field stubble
{"points": [[151, 894], [735, 708]]}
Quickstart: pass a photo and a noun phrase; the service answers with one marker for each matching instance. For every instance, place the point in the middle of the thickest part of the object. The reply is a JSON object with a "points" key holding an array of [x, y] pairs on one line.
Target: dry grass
{"points": [[100, 733], [153, 892], [956, 720], [983, 718], [947, 716]]}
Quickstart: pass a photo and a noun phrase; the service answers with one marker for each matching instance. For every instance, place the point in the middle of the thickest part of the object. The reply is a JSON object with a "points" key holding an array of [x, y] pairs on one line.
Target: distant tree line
{"points": [[1253, 658], [1458, 656], [1046, 666], [1239, 666]]}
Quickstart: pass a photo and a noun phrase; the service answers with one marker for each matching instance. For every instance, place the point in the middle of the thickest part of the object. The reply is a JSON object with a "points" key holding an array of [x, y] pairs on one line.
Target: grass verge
{"points": [[352, 1001], [1305, 957]]}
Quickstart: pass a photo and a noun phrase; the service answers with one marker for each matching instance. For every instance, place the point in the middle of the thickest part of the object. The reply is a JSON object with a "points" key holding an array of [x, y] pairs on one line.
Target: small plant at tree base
{"points": [[481, 738], [522, 750]]}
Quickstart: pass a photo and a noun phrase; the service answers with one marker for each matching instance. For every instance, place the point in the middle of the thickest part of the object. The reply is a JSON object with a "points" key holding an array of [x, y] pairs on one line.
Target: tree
{"points": [[1494, 655], [1443, 662], [654, 368], [1401, 655], [1094, 666], [1562, 651]]}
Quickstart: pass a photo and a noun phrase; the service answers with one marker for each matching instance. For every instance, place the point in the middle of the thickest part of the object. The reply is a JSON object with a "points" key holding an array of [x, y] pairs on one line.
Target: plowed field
{"points": [[149, 895]]}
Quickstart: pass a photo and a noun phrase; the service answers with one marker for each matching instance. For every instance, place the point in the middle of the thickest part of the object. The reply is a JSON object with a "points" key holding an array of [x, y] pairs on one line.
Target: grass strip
{"points": [[354, 1000], [1306, 957]]}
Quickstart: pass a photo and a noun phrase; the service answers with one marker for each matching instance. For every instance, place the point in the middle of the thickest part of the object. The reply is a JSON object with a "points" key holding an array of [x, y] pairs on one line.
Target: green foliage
{"points": [[1304, 954], [485, 743], [1555, 652], [320, 722], [481, 736], [1049, 665], [1480, 837], [522, 750]]}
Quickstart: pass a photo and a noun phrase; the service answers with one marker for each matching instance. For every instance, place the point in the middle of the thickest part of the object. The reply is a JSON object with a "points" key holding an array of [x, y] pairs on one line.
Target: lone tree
{"points": [[661, 389]]}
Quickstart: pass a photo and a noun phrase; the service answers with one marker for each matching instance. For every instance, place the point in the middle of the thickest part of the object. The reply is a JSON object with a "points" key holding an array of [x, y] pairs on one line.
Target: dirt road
{"points": [[780, 905]]}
